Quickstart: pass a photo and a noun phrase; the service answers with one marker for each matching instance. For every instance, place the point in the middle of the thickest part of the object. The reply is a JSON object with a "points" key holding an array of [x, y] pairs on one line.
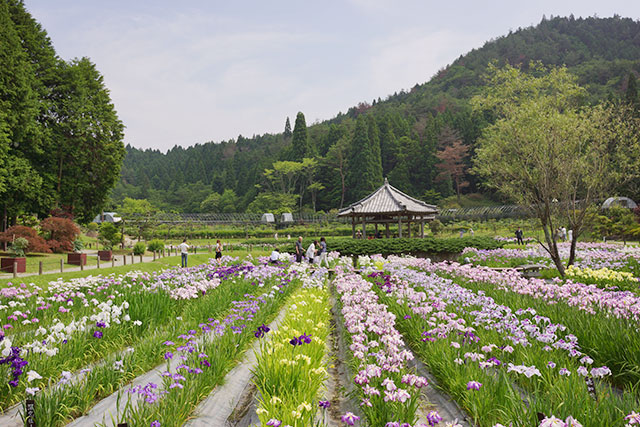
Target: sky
{"points": [[182, 73]]}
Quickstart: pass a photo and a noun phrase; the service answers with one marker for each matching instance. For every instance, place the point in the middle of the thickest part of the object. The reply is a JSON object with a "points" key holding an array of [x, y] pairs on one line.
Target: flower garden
{"points": [[395, 341]]}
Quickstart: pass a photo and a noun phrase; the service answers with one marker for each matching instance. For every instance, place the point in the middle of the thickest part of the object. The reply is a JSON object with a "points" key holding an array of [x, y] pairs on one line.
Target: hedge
{"points": [[429, 245]]}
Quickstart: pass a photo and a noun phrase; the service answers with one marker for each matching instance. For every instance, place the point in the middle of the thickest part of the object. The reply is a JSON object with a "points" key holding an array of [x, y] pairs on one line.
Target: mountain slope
{"points": [[409, 126]]}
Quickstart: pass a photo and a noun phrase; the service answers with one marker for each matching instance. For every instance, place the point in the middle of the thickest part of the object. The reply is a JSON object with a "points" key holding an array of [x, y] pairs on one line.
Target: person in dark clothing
{"points": [[299, 250], [519, 236]]}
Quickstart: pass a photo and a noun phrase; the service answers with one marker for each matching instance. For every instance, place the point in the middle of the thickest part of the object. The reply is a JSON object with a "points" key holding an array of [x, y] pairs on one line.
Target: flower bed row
{"points": [[105, 334], [502, 366], [291, 366], [388, 390], [597, 317], [197, 366]]}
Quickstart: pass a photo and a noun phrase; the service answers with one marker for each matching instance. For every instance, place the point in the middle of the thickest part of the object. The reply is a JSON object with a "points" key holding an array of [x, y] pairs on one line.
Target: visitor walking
{"points": [[184, 252], [311, 251], [299, 249], [218, 251], [519, 236], [323, 252]]}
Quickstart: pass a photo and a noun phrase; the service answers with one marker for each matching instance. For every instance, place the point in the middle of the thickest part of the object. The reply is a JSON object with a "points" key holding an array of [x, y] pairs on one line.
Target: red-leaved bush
{"points": [[36, 243], [62, 232]]}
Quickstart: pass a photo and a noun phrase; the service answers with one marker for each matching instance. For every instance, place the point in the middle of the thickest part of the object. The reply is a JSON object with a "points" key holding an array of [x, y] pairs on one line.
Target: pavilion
{"points": [[388, 205]]}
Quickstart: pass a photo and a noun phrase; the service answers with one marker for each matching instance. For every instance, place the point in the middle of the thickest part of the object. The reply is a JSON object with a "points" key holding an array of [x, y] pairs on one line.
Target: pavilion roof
{"points": [[388, 200]]}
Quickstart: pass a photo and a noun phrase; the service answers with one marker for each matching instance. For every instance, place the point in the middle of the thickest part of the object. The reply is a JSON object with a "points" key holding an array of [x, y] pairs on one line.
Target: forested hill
{"points": [[419, 138]]}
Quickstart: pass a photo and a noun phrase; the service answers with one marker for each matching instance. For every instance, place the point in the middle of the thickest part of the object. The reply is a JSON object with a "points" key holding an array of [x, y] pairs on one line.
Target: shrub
{"points": [[436, 226], [156, 245], [36, 242], [109, 235], [18, 246], [78, 246], [61, 233], [139, 248]]}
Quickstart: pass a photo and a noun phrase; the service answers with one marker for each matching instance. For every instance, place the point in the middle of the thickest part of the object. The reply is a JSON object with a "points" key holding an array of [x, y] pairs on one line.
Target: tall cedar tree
{"points": [[300, 141], [19, 131], [374, 142], [287, 129], [361, 172]]}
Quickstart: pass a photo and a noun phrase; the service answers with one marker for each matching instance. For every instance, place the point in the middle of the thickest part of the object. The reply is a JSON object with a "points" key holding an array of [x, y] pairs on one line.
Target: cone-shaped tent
{"points": [[389, 205]]}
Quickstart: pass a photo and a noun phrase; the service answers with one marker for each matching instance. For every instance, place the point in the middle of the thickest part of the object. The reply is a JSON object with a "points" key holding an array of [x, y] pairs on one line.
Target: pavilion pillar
{"points": [[353, 227], [387, 231], [409, 228], [422, 227], [376, 229], [364, 227], [400, 226]]}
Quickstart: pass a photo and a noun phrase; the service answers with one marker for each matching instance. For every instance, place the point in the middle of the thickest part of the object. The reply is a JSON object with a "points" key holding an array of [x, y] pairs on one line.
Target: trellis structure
{"points": [[388, 205]]}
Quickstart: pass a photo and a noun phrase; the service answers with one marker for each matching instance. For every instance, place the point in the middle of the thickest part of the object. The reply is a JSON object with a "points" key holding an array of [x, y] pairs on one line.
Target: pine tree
{"points": [[300, 140]]}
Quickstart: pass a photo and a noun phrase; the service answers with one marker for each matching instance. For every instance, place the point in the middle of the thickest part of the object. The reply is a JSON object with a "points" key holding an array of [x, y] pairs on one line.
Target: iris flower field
{"points": [[372, 341]]}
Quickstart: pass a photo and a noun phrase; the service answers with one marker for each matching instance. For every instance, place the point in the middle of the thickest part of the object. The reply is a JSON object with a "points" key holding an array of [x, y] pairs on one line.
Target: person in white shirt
{"points": [[184, 252], [311, 252], [275, 256]]}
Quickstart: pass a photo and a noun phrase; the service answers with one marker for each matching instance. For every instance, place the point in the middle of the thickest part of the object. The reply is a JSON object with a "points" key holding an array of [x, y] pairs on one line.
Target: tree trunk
{"points": [[343, 188], [550, 238], [572, 252], [4, 218]]}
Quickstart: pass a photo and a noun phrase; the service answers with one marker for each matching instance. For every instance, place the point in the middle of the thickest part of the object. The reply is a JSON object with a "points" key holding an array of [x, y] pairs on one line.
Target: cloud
{"points": [[414, 56]]}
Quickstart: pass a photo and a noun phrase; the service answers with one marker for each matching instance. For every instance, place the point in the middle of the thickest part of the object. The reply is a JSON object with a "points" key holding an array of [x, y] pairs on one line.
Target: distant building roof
{"points": [[390, 201], [268, 217], [108, 217], [286, 217], [624, 202]]}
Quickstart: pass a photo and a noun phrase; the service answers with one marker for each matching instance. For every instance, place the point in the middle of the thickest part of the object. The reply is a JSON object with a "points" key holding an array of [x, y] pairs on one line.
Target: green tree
{"points": [[211, 204], [361, 173], [374, 141], [138, 213], [308, 172], [549, 152], [631, 95], [336, 160], [109, 235], [287, 129], [276, 203], [19, 132], [300, 141], [89, 140], [228, 201], [284, 176]]}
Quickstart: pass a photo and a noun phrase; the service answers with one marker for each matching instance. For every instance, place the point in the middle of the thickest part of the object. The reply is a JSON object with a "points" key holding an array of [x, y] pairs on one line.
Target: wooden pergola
{"points": [[388, 205]]}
